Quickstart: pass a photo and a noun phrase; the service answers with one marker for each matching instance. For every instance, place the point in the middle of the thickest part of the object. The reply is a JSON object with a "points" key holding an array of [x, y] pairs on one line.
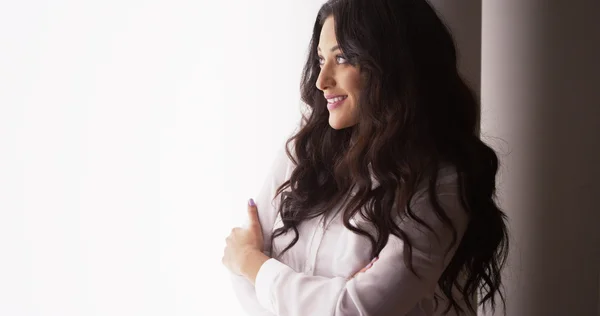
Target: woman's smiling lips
{"points": [[334, 101]]}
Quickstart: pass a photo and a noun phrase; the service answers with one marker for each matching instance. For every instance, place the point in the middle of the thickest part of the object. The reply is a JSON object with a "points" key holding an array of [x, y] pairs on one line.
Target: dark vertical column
{"points": [[464, 21]]}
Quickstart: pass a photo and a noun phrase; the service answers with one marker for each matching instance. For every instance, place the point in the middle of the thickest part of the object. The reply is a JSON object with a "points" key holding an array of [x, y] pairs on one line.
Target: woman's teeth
{"points": [[334, 100]]}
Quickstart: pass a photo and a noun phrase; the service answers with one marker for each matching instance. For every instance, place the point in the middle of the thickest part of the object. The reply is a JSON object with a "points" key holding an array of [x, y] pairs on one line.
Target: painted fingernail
{"points": [[251, 202]]}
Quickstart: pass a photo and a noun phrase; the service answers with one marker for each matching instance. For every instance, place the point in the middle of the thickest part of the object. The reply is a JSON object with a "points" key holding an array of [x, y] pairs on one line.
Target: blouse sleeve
{"points": [[267, 212], [387, 288]]}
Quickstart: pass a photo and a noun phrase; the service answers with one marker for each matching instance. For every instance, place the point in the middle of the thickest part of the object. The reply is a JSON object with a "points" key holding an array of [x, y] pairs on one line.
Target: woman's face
{"points": [[337, 79]]}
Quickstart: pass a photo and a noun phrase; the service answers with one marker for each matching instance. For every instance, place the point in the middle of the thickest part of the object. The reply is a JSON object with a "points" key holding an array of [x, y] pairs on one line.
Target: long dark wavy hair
{"points": [[415, 112]]}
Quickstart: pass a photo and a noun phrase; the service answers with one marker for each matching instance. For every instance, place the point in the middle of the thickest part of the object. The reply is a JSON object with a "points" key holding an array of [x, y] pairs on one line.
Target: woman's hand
{"points": [[365, 268], [243, 241]]}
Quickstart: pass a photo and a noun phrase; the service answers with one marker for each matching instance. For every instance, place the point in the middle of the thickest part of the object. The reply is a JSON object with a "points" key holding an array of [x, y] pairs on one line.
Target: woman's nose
{"points": [[325, 80]]}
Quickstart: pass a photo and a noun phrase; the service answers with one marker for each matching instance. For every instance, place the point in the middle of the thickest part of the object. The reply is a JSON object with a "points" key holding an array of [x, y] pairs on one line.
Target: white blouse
{"points": [[314, 277]]}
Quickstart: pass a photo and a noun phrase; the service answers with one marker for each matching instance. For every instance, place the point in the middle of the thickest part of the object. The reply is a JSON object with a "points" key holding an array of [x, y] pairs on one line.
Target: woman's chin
{"points": [[338, 124]]}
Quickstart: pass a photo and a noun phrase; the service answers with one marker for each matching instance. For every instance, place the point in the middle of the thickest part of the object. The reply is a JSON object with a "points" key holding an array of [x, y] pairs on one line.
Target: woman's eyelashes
{"points": [[337, 57]]}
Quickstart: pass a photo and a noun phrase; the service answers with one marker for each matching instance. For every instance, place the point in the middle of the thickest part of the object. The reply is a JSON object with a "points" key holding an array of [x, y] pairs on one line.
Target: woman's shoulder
{"points": [[447, 195], [447, 178], [447, 174]]}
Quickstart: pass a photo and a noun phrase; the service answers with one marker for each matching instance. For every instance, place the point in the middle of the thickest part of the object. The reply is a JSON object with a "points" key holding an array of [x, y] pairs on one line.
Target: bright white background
{"points": [[131, 135]]}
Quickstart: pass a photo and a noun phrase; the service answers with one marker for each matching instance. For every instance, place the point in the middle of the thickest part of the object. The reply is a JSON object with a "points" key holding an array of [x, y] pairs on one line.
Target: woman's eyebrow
{"points": [[334, 48]]}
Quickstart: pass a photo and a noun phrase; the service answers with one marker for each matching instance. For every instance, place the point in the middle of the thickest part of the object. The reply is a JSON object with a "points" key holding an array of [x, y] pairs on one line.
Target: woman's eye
{"points": [[340, 59]]}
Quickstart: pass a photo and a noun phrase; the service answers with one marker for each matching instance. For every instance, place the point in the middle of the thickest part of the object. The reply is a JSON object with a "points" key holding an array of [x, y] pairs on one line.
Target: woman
{"points": [[387, 174]]}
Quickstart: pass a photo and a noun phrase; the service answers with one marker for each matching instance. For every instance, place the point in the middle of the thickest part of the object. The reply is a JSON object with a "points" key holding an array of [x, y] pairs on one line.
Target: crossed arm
{"points": [[388, 287]]}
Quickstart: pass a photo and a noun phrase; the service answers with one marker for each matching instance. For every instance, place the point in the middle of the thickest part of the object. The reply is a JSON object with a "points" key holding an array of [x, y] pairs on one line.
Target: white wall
{"points": [[131, 135]]}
